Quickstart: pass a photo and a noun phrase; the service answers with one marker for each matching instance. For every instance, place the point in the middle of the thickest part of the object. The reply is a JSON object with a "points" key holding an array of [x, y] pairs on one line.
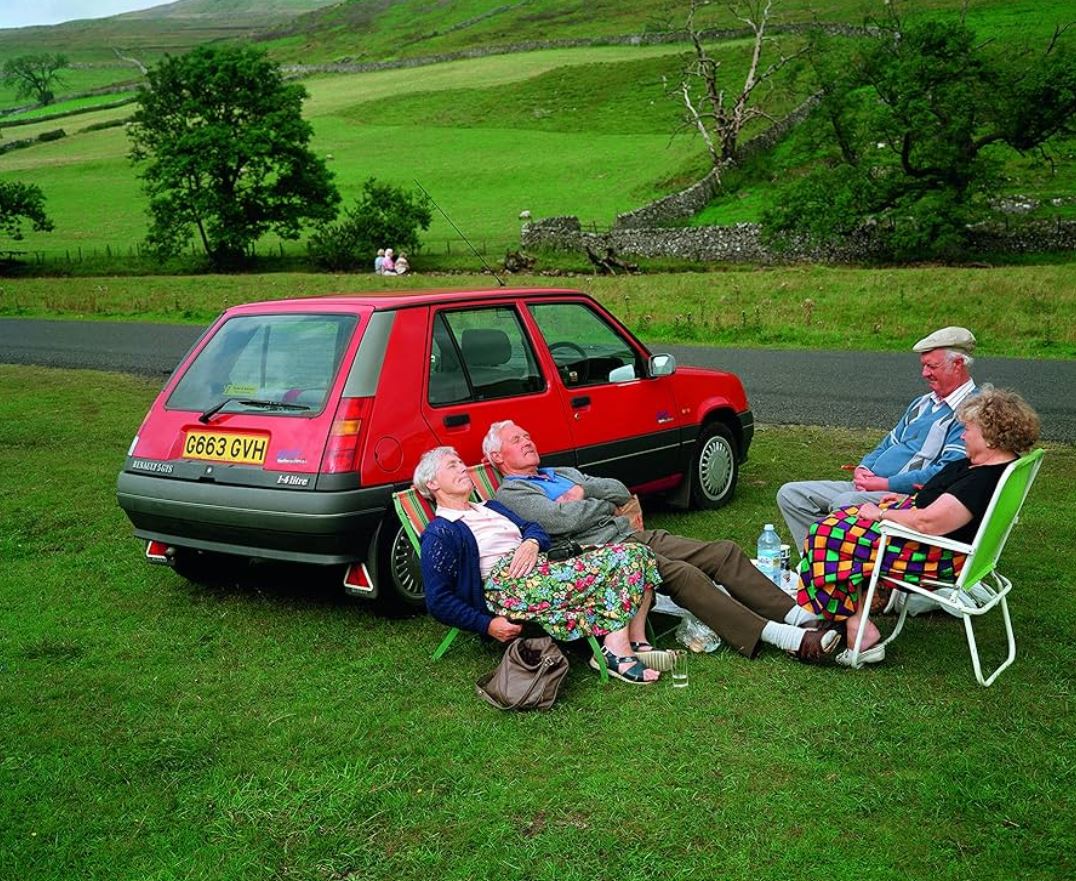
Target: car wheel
{"points": [[206, 567], [399, 578], [714, 468]]}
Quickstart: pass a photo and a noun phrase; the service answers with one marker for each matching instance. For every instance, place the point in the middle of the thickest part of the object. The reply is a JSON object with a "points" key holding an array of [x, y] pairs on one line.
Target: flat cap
{"points": [[959, 338]]}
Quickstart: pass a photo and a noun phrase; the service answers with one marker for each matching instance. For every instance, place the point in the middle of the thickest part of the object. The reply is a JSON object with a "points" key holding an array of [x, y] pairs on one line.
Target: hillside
{"points": [[589, 130]]}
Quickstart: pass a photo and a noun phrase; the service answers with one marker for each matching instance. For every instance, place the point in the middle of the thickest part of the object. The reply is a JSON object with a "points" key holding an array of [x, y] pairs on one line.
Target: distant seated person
{"points": [[484, 571], [842, 548], [926, 439], [379, 261], [402, 266], [388, 265]]}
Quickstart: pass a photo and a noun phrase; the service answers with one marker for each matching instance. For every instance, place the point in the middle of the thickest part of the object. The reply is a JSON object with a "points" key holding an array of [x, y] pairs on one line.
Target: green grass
{"points": [[1025, 311], [70, 107], [266, 727], [483, 177]]}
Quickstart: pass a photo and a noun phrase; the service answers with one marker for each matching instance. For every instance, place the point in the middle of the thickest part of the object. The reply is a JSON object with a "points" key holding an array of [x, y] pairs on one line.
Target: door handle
{"points": [[581, 401], [456, 420]]}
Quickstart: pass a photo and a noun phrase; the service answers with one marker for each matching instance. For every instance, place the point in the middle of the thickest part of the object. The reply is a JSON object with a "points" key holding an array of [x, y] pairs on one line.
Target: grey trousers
{"points": [[804, 502], [689, 569]]}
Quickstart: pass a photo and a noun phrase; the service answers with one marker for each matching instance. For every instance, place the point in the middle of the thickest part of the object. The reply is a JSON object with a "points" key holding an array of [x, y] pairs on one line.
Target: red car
{"points": [[284, 431]]}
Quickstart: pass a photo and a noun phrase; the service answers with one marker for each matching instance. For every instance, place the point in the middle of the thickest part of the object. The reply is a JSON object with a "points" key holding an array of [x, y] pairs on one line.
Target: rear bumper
{"points": [[301, 527]]}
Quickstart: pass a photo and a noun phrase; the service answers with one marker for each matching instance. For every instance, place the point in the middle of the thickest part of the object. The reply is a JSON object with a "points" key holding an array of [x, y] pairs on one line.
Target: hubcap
{"points": [[715, 467], [404, 567]]}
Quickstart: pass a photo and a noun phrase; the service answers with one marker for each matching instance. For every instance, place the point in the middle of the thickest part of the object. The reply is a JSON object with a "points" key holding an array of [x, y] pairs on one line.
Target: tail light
{"points": [[341, 452]]}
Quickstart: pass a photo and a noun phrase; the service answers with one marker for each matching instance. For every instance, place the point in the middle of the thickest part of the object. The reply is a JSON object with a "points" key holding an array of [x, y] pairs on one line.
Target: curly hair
{"points": [[1006, 420]]}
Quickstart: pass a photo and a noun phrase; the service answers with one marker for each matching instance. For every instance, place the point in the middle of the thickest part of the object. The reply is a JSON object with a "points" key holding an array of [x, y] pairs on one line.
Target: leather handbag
{"points": [[528, 676]]}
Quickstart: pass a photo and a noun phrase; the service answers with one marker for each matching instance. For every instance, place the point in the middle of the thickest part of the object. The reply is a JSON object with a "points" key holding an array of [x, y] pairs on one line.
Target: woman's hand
{"points": [[890, 498], [869, 511], [523, 559], [503, 630]]}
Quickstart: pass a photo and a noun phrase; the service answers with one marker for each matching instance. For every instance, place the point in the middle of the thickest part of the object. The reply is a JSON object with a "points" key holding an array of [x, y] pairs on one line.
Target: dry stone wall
{"points": [[742, 242]]}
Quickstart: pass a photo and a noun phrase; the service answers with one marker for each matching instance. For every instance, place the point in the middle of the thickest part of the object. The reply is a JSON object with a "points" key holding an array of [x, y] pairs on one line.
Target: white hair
{"points": [[492, 442], [954, 354], [426, 470]]}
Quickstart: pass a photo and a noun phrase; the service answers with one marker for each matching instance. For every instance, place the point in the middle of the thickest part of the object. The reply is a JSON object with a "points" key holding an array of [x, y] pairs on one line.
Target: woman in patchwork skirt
{"points": [[841, 549]]}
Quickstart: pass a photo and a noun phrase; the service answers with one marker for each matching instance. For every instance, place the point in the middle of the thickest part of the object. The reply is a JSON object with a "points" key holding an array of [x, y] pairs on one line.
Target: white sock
{"points": [[784, 636], [798, 615]]}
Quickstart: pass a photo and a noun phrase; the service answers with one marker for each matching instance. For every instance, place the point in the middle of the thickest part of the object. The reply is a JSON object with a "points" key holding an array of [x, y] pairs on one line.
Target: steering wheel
{"points": [[566, 344]]}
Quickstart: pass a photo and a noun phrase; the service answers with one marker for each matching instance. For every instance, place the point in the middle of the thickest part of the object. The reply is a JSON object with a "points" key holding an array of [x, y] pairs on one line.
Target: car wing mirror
{"points": [[661, 365]]}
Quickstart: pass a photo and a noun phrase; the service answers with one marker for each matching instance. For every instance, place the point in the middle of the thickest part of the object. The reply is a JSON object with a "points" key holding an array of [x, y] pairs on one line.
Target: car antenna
{"points": [[492, 271]]}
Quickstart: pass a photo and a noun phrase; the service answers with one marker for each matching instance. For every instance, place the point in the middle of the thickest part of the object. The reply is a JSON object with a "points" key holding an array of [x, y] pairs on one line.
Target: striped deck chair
{"points": [[416, 512]]}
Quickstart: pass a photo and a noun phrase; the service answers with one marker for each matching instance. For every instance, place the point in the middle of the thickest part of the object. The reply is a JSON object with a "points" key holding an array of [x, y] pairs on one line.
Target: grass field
{"points": [[266, 727], [483, 176], [1024, 311]]}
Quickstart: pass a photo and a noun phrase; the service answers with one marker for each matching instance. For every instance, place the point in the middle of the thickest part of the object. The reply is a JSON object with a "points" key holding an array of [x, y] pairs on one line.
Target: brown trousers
{"points": [[689, 569]]}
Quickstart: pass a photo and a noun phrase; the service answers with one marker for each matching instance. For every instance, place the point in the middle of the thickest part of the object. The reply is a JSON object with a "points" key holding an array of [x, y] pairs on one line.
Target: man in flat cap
{"points": [[927, 437]]}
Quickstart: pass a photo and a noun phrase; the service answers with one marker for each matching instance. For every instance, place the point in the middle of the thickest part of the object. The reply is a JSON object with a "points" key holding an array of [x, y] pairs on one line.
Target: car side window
{"points": [[585, 347], [479, 354]]}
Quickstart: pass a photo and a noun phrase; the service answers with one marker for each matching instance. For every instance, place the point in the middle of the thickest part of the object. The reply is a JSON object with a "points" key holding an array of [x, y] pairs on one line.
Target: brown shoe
{"points": [[817, 644]]}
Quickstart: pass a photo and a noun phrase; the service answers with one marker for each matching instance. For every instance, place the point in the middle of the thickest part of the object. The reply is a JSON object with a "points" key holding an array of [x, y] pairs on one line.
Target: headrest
{"points": [[483, 347]]}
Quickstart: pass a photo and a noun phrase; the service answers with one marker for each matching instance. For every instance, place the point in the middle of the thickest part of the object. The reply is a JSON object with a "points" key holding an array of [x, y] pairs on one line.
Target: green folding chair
{"points": [[416, 512], [980, 587]]}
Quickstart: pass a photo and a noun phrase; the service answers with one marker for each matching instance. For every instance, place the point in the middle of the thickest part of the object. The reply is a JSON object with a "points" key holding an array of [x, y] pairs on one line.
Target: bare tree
{"points": [[717, 115]]}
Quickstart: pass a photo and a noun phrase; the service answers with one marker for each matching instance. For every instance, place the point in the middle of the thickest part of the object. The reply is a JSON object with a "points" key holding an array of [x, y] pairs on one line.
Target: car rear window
{"points": [[291, 359]]}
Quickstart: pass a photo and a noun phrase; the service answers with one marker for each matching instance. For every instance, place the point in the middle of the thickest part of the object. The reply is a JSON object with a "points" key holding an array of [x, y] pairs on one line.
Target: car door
{"points": [[624, 424], [483, 368]]}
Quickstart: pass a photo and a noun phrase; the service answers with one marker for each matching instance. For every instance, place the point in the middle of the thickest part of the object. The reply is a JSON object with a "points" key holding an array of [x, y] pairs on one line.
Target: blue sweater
{"points": [[922, 443], [450, 570]]}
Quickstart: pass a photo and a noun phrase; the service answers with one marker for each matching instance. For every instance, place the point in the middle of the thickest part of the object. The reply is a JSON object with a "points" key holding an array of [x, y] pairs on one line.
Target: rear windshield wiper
{"points": [[249, 402]]}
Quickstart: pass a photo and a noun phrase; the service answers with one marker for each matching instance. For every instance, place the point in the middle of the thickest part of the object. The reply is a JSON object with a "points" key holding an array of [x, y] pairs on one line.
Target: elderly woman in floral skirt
{"points": [[484, 571]]}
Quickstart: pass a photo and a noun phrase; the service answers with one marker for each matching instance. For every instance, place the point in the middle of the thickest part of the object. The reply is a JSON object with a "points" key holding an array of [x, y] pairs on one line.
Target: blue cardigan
{"points": [[450, 571]]}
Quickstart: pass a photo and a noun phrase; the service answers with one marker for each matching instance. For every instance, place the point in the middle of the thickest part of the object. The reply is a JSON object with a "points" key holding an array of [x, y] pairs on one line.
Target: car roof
{"points": [[379, 300]]}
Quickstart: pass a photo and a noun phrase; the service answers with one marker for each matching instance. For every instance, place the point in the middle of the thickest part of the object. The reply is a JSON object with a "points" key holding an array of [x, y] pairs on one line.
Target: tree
{"points": [[917, 120], [35, 75], [719, 116], [228, 153], [22, 202], [383, 216]]}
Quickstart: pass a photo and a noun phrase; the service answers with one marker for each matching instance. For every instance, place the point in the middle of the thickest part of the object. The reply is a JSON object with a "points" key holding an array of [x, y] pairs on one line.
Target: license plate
{"points": [[225, 446]]}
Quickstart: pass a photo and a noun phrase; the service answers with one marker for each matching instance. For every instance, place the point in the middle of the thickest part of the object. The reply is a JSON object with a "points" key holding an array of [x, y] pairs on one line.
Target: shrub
{"points": [[383, 216]]}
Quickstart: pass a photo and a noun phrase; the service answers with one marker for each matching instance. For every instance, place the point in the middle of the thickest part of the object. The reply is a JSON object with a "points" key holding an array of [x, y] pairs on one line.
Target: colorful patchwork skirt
{"points": [[839, 557], [595, 593]]}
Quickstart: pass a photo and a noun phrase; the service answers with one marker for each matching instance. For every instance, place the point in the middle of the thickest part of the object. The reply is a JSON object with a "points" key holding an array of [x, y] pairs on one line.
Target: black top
{"points": [[972, 485]]}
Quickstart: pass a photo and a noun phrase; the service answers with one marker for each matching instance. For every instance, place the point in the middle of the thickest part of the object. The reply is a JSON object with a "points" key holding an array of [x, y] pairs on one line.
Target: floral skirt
{"points": [[595, 593], [839, 557]]}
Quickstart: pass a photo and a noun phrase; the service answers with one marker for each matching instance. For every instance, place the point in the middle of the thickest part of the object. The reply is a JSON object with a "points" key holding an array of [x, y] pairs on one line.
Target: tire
{"points": [[715, 468], [399, 580]]}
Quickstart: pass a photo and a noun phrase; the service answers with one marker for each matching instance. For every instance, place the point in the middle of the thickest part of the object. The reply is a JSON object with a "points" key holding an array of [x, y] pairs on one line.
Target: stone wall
{"points": [[690, 201], [346, 65], [742, 242]]}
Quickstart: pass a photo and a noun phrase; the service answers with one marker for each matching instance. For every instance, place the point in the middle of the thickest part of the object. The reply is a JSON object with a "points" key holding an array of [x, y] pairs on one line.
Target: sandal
{"points": [[658, 659], [643, 646], [634, 675]]}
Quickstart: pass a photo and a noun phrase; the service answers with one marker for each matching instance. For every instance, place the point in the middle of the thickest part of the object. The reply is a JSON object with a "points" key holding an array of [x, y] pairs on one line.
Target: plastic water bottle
{"points": [[769, 554]]}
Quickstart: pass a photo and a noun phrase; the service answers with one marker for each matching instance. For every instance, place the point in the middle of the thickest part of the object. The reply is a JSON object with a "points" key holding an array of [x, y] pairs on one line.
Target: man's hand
{"points": [[503, 630], [523, 559], [866, 480], [575, 494]]}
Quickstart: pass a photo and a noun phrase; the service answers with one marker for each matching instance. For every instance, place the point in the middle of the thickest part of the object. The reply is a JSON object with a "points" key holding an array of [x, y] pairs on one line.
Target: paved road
{"points": [[852, 389]]}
